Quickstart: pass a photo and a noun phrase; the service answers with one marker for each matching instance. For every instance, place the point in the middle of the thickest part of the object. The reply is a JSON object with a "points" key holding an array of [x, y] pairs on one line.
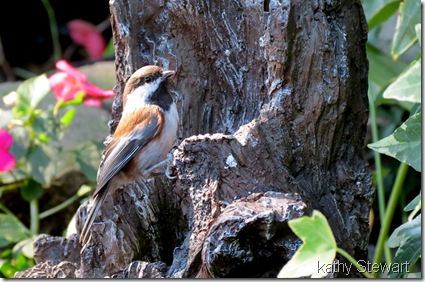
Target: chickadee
{"points": [[144, 136]]}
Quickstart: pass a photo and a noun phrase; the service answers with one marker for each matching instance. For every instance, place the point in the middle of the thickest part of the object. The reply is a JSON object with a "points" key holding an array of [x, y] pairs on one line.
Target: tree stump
{"points": [[272, 97]]}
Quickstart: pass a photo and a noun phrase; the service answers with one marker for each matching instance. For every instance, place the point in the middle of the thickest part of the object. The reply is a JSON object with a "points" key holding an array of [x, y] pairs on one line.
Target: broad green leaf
{"points": [[18, 173], [404, 144], [412, 205], [48, 126], [29, 95], [382, 69], [3, 243], [41, 163], [66, 161], [378, 11], [88, 157], [11, 230], [21, 142], [417, 108], [405, 35], [37, 87], [25, 247], [407, 87], [31, 190], [418, 30], [317, 251], [408, 237]]}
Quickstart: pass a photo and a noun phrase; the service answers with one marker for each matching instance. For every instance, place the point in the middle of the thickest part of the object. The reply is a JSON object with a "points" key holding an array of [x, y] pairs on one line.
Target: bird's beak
{"points": [[167, 74]]}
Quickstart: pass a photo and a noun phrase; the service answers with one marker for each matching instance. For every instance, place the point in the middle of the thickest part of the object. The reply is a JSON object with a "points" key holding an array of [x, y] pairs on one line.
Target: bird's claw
{"points": [[168, 173]]}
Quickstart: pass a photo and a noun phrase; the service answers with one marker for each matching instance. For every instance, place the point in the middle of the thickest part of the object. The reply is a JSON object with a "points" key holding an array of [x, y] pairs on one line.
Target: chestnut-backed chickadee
{"points": [[142, 139]]}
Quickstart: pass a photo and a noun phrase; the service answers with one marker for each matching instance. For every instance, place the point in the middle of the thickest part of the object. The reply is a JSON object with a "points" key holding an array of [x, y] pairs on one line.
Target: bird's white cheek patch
{"points": [[138, 97]]}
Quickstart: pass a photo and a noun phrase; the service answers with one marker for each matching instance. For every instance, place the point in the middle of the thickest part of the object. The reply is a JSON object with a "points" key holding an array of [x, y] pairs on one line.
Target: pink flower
{"points": [[67, 83], [7, 160], [85, 34]]}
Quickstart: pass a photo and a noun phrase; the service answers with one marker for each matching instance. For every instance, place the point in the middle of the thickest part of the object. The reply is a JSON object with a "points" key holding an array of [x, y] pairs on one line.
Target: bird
{"points": [[144, 136]]}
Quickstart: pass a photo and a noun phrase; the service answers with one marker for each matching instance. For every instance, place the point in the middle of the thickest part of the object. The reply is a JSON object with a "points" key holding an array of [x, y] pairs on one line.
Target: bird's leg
{"points": [[168, 172]]}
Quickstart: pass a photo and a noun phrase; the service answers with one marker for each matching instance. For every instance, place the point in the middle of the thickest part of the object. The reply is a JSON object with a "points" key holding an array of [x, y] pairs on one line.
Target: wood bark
{"points": [[272, 97]]}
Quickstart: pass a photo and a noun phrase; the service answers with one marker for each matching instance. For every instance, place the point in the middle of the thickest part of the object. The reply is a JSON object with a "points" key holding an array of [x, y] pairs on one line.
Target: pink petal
{"points": [[7, 161], [63, 65], [95, 44], [64, 86], [6, 139], [96, 92], [86, 34], [92, 102]]}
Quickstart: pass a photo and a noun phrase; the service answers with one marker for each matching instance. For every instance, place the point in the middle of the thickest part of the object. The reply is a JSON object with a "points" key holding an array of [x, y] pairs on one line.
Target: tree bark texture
{"points": [[272, 97]]}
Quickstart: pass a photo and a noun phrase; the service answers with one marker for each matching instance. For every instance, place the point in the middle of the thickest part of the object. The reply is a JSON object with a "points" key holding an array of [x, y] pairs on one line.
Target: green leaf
{"points": [[418, 30], [4, 242], [378, 11], [405, 34], [414, 275], [417, 108], [31, 190], [408, 237], [6, 116], [404, 144], [37, 87], [84, 189], [41, 163], [21, 142], [79, 98], [68, 117], [382, 69], [29, 95], [11, 230], [407, 87], [109, 50], [317, 251], [12, 263], [19, 150], [7, 269], [88, 157], [412, 205], [25, 247]]}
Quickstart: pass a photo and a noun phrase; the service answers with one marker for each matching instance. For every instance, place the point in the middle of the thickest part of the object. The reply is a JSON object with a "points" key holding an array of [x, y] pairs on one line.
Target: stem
{"points": [[10, 186], [59, 207], [378, 168], [104, 25], [354, 262], [392, 203], [57, 107], [8, 212], [377, 157], [35, 220], [53, 30]]}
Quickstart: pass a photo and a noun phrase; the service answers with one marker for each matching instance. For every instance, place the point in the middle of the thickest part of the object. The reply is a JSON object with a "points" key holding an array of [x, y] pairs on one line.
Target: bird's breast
{"points": [[157, 149]]}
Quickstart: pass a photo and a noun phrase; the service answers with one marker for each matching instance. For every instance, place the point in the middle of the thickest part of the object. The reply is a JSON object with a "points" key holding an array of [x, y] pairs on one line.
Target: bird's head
{"points": [[148, 85]]}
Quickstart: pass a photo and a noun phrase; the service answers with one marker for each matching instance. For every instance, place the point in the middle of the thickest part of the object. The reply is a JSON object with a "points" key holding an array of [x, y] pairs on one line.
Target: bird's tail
{"points": [[97, 203]]}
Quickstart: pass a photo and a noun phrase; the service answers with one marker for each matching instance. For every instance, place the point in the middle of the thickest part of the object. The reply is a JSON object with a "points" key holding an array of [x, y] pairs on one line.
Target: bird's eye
{"points": [[148, 79]]}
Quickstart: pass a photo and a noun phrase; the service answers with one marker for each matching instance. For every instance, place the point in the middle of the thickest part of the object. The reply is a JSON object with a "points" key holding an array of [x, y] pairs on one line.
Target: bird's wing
{"points": [[125, 145]]}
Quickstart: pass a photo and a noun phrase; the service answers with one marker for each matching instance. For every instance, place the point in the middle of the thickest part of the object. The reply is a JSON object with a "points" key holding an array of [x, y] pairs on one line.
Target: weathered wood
{"points": [[273, 105]]}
